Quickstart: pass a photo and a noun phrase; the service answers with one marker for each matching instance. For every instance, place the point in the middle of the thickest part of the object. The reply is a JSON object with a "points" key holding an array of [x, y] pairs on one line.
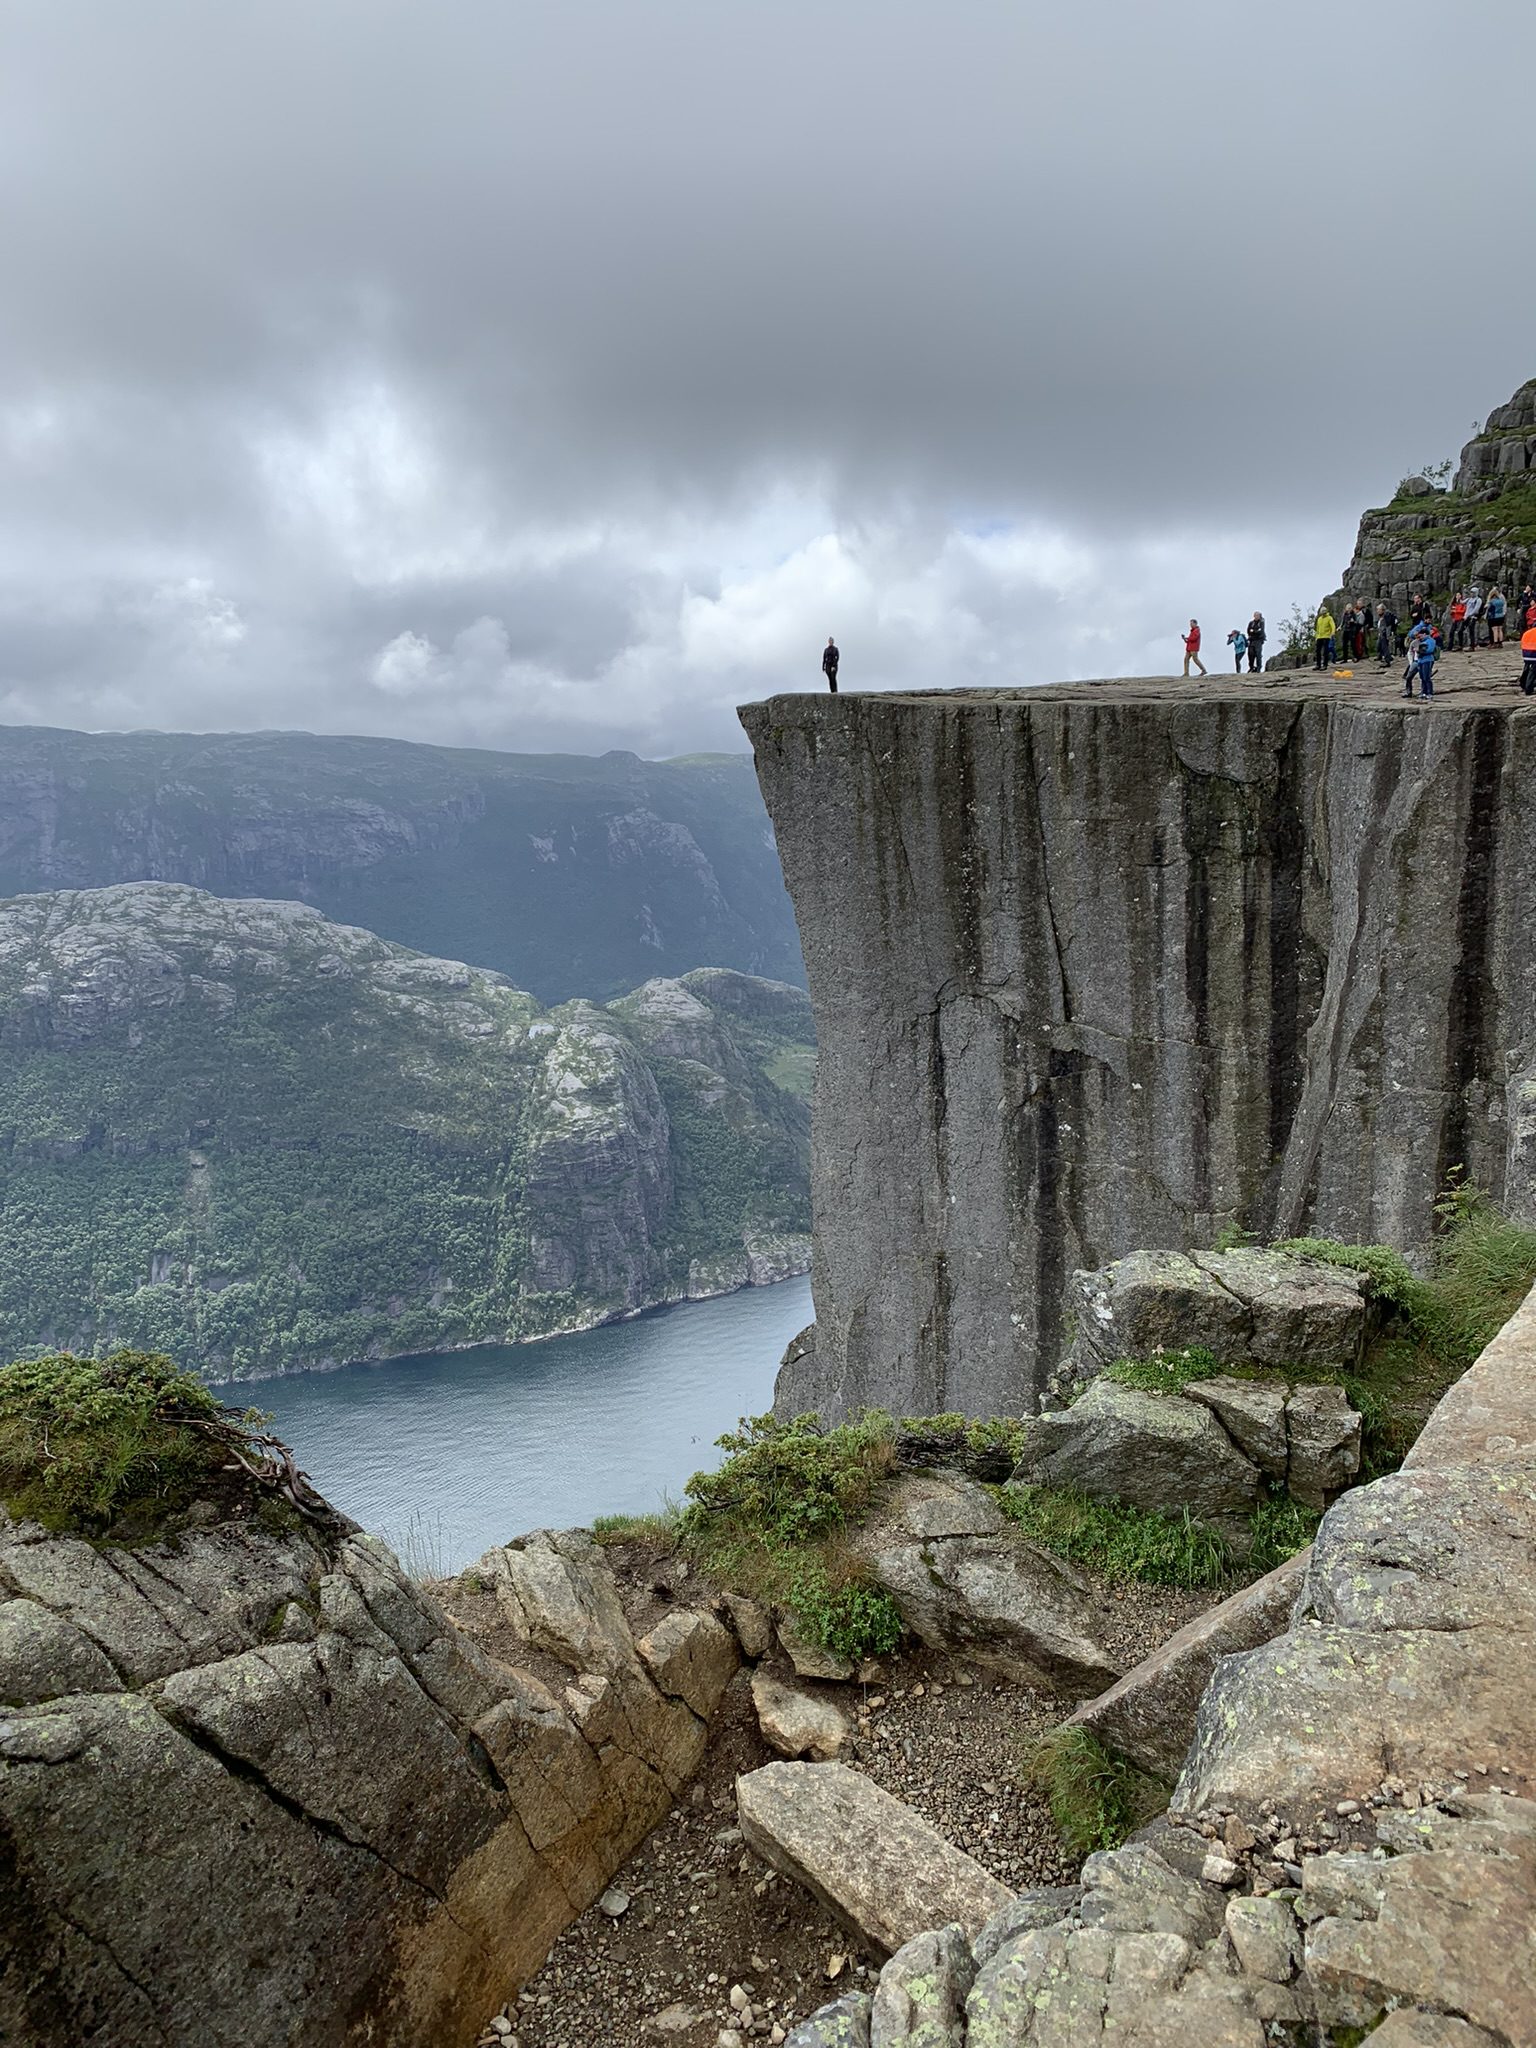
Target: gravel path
{"points": [[705, 1920]]}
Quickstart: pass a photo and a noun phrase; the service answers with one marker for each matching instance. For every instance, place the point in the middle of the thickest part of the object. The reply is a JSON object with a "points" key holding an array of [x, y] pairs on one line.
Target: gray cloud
{"points": [[554, 374]]}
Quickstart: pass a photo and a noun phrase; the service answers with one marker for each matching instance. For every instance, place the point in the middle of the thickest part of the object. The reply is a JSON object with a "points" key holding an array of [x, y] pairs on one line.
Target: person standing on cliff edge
{"points": [[829, 661], [1192, 647]]}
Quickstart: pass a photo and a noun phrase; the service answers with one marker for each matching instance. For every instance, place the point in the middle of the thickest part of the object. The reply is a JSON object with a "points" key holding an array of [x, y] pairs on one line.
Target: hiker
{"points": [[1493, 612], [1386, 636], [1457, 617], [1528, 660], [1527, 612], [1192, 647], [1354, 632], [1256, 636], [1474, 613], [829, 662], [1323, 630], [1421, 660], [1237, 640]]}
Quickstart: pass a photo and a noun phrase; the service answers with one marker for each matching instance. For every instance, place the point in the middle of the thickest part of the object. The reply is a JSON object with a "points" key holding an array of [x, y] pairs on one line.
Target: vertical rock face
{"points": [[1106, 966]]}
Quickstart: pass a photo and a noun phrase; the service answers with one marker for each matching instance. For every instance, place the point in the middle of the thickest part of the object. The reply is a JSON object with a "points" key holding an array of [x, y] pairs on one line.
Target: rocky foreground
{"points": [[1351, 1845]]}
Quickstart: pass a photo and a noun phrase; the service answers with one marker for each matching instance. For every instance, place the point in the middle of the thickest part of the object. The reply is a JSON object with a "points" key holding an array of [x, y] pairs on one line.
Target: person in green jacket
{"points": [[1323, 630]]}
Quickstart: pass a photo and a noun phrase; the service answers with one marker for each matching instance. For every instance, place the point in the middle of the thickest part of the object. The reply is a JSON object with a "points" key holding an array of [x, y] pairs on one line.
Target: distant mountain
{"points": [[259, 1140], [574, 876]]}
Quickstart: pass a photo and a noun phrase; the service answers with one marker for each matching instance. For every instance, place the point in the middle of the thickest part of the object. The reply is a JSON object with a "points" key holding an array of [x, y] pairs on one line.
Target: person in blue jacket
{"points": [[1421, 660], [1237, 640]]}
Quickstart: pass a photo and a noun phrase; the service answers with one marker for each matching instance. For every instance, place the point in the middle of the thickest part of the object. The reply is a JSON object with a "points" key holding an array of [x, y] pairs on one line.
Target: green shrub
{"points": [[791, 1482], [1281, 1526], [770, 1523], [87, 1444], [843, 1614], [1393, 1280], [1118, 1540], [1097, 1799]]}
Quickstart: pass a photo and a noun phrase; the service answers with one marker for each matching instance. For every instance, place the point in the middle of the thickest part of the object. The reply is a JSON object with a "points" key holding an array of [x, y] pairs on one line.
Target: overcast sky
{"points": [[558, 373]]}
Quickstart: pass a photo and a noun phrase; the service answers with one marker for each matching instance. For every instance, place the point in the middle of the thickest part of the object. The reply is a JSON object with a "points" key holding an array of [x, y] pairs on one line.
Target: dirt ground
{"points": [[704, 1918]]}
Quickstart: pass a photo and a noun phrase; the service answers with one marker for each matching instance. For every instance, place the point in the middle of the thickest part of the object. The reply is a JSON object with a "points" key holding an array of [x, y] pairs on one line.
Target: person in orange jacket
{"points": [[1528, 657]]}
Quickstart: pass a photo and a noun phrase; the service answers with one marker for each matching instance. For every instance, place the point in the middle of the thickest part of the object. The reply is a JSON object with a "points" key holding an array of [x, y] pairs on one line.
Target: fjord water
{"points": [[445, 1455]]}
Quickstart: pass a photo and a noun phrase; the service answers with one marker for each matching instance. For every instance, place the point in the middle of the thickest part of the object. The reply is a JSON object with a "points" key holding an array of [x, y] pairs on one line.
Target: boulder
{"points": [[556, 1592], [1323, 1434], [795, 1723], [1252, 1412], [842, 2024], [920, 1999], [1247, 1306], [1453, 1929], [968, 1583], [1150, 1714], [1046, 1906], [871, 1860], [690, 1657], [1152, 1450], [754, 1631], [811, 1660]]}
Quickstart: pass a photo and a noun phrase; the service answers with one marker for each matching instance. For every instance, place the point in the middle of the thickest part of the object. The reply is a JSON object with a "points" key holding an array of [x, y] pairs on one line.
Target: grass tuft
{"points": [[1167, 1372], [658, 1530], [1097, 1799], [1121, 1541]]}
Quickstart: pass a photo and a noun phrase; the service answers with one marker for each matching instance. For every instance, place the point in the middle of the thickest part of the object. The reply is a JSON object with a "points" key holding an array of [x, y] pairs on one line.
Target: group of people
{"points": [[1247, 645], [1463, 625], [1469, 621], [1459, 627]]}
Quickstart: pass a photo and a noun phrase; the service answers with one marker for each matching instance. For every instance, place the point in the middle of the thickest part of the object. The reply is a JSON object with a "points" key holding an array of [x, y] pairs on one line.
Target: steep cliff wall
{"points": [[1113, 965]]}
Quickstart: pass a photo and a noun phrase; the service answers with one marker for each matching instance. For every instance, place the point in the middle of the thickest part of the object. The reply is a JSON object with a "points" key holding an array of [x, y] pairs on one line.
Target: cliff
{"points": [[574, 876], [241, 1133], [1102, 966]]}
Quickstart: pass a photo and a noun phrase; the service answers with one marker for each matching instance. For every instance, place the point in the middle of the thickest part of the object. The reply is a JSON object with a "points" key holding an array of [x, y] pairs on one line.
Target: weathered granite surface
{"points": [[1103, 966], [257, 1787]]}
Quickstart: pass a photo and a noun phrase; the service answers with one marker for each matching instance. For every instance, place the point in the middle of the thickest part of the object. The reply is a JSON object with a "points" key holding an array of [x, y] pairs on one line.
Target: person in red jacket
{"points": [[1192, 647]]}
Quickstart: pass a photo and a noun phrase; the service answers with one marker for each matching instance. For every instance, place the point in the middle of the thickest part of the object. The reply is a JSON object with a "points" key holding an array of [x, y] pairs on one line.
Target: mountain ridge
{"points": [[238, 1131], [572, 874]]}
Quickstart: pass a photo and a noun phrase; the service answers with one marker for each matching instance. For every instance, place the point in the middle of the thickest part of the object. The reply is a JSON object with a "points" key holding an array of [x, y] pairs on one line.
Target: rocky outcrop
{"points": [[1206, 1451], [1482, 530], [967, 1583], [574, 877], [1415, 1626], [1427, 1946], [1109, 966], [239, 1132], [871, 1860], [255, 1786], [1248, 1306]]}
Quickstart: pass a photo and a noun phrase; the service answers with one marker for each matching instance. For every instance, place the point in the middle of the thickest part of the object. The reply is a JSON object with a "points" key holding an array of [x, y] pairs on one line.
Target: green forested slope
{"points": [[256, 1139], [573, 875]]}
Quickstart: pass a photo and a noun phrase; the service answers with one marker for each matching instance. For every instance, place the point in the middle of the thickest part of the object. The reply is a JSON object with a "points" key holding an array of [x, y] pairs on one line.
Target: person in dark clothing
{"points": [[1386, 635], [829, 662], [1256, 631]]}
